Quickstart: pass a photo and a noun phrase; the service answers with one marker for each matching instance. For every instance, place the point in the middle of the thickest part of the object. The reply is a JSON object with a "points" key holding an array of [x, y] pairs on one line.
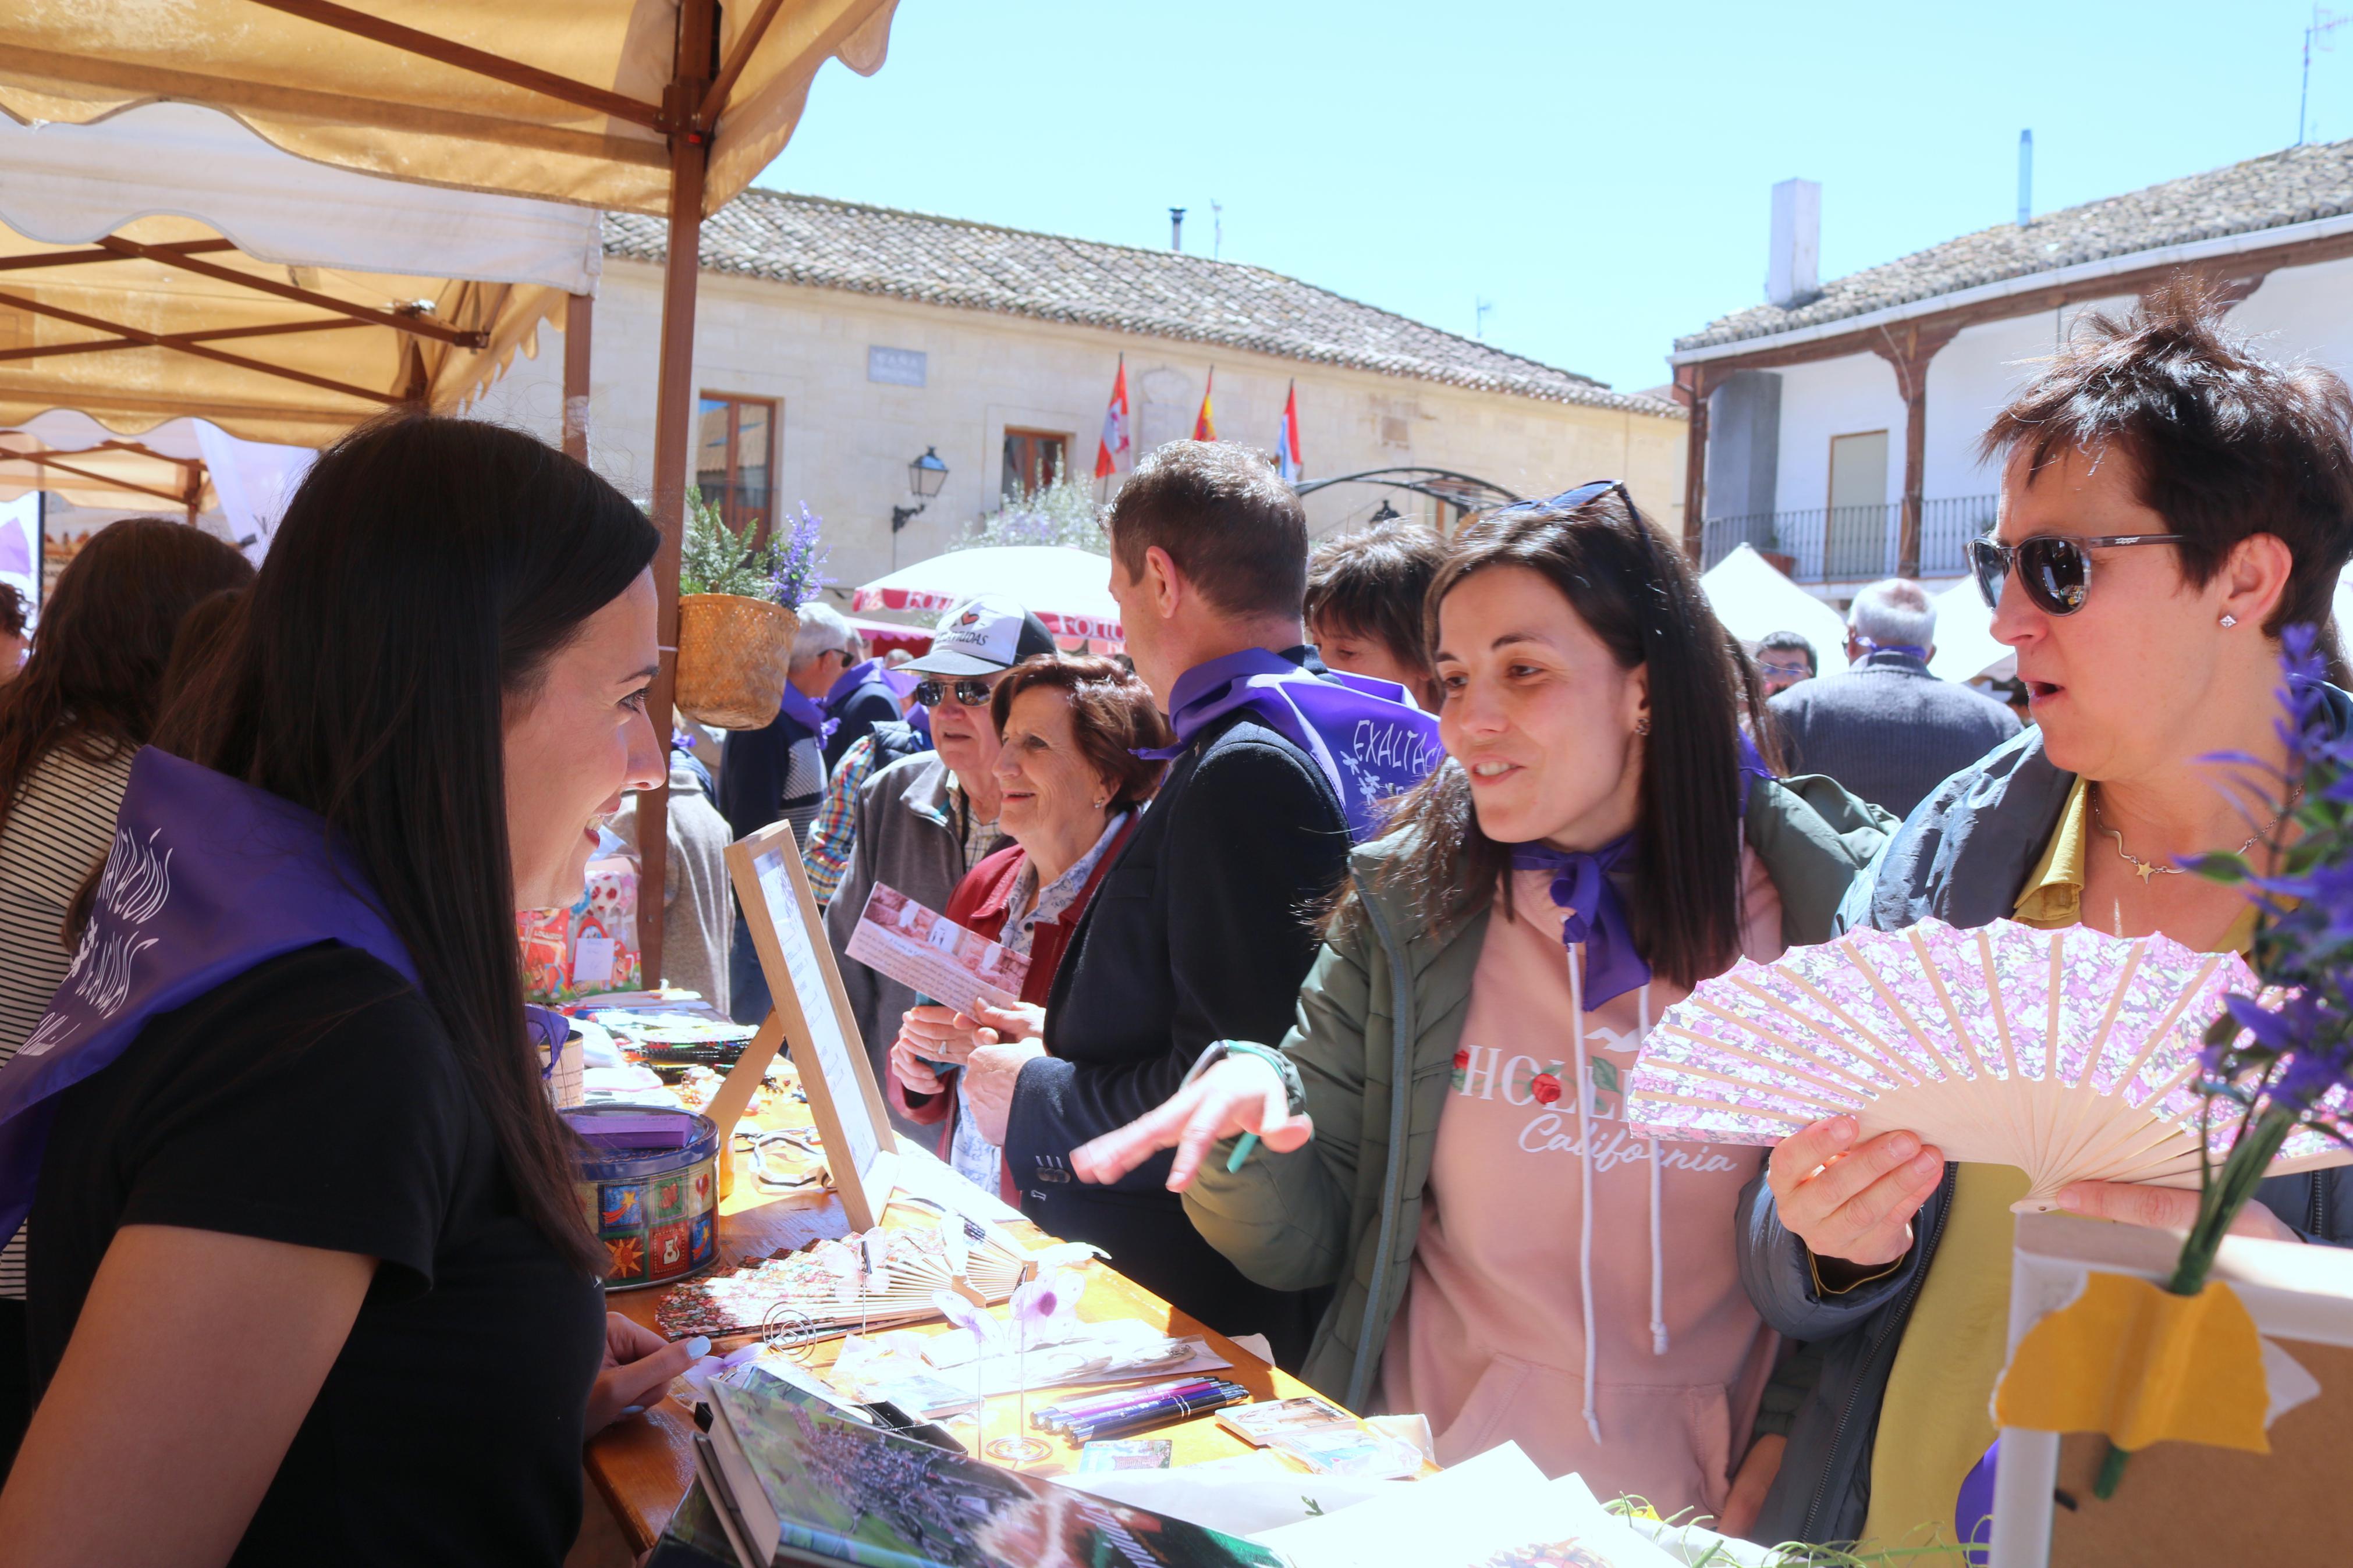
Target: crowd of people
{"points": [[1349, 891]]}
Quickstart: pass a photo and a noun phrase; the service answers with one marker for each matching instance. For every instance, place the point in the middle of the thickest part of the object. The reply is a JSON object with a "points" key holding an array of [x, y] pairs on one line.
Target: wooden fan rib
{"points": [[1992, 972], [1895, 1004], [1844, 1067], [1895, 1066], [2085, 1089], [2079, 1117], [1744, 1053], [1689, 1103], [1710, 1075]]}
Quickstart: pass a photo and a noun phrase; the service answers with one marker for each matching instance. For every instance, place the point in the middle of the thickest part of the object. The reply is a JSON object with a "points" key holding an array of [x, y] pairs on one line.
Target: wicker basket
{"points": [[732, 655]]}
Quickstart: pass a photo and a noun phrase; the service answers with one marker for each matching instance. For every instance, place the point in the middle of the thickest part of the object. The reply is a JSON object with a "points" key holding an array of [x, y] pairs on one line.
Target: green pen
{"points": [[1243, 1147]]}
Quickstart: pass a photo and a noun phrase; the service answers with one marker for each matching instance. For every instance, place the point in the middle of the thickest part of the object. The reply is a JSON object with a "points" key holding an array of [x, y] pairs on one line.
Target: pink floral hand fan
{"points": [[2070, 1054]]}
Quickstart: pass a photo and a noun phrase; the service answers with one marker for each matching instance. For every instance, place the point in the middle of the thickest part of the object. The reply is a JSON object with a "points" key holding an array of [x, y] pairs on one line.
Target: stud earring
{"points": [[1100, 803], [1642, 726], [2230, 621]]}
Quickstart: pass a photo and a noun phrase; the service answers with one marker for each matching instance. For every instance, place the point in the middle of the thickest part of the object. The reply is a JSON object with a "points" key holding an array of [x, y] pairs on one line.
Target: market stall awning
{"points": [[73, 457], [557, 98], [1067, 589], [1754, 601], [169, 262], [126, 474]]}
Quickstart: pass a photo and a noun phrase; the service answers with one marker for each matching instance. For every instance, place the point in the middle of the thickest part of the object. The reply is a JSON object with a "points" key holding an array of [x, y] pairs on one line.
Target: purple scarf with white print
{"points": [[1367, 736], [207, 877]]}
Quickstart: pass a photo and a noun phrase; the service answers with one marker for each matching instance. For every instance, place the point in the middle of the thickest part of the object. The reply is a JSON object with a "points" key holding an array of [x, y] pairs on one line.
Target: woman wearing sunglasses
{"points": [[1509, 1259], [2169, 502], [1072, 783]]}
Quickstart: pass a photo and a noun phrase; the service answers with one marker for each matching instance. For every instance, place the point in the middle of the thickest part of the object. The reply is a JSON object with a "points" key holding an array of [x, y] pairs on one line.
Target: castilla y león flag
{"points": [[1286, 439], [1205, 423], [1113, 449]]}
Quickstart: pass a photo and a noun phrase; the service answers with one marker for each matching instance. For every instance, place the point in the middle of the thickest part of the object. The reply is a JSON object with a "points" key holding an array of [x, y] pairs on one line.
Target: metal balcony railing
{"points": [[1849, 544]]}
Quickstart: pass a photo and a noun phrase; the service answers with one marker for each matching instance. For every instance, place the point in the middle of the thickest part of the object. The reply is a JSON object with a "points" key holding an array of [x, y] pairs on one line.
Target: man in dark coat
{"points": [[1886, 729], [1203, 929]]}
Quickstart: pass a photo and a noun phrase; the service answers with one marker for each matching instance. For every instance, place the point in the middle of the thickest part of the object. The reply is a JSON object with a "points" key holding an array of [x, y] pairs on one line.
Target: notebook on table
{"points": [[795, 1483]]}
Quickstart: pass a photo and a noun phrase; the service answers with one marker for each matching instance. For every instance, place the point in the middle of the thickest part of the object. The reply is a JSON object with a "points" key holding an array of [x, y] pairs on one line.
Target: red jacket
{"points": [[979, 904]]}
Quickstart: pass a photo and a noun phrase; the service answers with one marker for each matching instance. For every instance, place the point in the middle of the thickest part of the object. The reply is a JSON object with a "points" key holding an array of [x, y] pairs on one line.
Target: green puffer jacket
{"points": [[1384, 1005]]}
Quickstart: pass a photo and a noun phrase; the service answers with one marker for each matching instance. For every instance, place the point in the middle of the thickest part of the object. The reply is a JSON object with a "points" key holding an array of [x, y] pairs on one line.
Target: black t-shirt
{"points": [[316, 1100]]}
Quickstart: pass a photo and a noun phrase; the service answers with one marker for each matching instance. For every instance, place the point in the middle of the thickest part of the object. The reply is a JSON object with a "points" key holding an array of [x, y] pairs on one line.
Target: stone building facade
{"points": [[843, 341]]}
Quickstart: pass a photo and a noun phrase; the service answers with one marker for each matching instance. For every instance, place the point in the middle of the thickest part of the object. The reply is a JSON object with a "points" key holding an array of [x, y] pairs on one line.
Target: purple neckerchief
{"points": [[1580, 885], [807, 713], [1752, 768], [855, 676], [207, 877], [1368, 735]]}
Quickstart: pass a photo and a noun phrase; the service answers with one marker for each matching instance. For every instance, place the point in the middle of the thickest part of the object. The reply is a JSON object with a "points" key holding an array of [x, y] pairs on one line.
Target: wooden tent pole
{"points": [[579, 322], [673, 427]]}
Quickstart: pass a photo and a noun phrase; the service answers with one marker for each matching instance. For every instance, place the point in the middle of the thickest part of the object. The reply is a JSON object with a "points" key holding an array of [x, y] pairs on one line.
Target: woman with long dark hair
{"points": [[1442, 1132], [308, 1279], [68, 726]]}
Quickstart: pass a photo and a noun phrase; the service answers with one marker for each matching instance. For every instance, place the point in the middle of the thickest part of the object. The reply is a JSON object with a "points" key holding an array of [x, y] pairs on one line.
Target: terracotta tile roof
{"points": [[2297, 185], [1153, 293]]}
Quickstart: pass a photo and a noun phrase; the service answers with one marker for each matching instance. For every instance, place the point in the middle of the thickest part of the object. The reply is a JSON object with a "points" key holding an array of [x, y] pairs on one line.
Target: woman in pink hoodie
{"points": [[1443, 1132]]}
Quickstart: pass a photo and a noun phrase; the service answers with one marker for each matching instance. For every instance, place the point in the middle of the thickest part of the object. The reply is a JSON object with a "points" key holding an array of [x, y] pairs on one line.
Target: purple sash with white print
{"points": [[1367, 736], [208, 879]]}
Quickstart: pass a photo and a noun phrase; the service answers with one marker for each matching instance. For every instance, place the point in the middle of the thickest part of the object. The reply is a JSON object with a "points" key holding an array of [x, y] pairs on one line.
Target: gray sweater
{"points": [[1888, 730]]}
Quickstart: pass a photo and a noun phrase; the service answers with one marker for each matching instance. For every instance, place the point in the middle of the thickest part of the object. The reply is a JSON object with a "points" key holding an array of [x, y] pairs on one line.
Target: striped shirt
{"points": [[56, 833]]}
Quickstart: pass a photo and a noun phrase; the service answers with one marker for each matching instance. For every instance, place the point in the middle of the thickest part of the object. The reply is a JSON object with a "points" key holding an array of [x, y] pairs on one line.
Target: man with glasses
{"points": [[1784, 659], [920, 823]]}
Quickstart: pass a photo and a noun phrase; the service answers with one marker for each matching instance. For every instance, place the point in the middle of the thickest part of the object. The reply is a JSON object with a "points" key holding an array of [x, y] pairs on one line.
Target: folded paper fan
{"points": [[2070, 1054]]}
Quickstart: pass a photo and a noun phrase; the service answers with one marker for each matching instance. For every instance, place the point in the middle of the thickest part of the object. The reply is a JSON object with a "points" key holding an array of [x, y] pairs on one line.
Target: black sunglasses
{"points": [[971, 692], [2054, 568], [1561, 505]]}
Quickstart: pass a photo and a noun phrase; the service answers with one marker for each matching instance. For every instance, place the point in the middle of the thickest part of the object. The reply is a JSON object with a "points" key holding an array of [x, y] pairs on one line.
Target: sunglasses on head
{"points": [[971, 691], [1561, 505], [2055, 569]]}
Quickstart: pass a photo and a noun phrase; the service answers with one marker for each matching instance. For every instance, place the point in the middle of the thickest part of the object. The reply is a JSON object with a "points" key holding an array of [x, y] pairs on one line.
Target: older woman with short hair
{"points": [[1069, 730], [2169, 503]]}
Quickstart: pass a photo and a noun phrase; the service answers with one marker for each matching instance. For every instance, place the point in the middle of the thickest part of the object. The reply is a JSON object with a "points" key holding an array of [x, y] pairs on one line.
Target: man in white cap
{"points": [[920, 823]]}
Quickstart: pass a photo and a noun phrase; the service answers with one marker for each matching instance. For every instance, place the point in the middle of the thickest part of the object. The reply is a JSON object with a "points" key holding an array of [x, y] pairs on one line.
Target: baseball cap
{"points": [[982, 635]]}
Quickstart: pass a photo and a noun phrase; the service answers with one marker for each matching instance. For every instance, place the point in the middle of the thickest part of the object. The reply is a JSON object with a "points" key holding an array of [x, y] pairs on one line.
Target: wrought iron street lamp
{"points": [[925, 475]]}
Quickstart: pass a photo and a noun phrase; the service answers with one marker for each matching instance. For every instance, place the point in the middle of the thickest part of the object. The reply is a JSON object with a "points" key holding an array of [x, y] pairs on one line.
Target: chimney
{"points": [[1176, 228], [1793, 271], [2025, 178]]}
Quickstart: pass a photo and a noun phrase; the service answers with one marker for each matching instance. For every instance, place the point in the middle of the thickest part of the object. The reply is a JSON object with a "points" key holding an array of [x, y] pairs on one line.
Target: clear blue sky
{"points": [[1598, 172]]}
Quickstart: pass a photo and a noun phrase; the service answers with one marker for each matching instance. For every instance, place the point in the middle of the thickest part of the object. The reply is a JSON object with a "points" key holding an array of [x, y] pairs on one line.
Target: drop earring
{"points": [[2230, 621]]}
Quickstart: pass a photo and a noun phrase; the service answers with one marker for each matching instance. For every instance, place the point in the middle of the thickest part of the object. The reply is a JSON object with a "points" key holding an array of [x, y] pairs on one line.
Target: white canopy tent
{"points": [[1754, 600], [247, 481], [1067, 589], [172, 262], [1965, 643]]}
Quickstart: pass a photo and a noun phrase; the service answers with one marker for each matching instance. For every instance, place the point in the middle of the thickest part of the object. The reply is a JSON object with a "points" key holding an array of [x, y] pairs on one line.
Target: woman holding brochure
{"points": [[1071, 784], [1509, 1259]]}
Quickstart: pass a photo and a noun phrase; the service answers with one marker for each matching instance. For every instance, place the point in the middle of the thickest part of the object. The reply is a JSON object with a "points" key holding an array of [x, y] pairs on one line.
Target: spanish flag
{"points": [[1205, 423]]}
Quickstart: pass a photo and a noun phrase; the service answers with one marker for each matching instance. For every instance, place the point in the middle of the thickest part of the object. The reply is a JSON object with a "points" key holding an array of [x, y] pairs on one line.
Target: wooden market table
{"points": [[643, 1465]]}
